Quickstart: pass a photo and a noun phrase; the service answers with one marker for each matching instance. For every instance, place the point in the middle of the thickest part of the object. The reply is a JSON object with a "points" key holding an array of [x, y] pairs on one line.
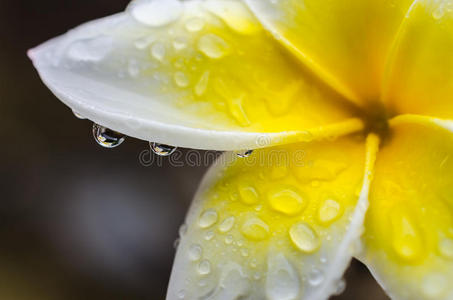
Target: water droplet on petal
{"points": [[181, 294], [255, 229], [213, 46], [208, 218], [446, 248], [156, 13], [434, 286], [194, 25], [161, 149], [244, 154], [78, 116], [315, 277], [195, 252], [287, 201], [227, 224], [282, 282], [304, 237], [329, 211], [181, 79], [340, 288], [248, 194], [204, 267], [158, 51], [107, 138], [407, 242], [202, 84]]}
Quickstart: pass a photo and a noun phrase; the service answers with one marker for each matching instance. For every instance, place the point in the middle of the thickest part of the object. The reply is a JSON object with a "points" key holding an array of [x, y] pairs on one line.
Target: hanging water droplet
{"points": [[107, 138], [244, 154], [176, 243], [78, 116], [161, 149]]}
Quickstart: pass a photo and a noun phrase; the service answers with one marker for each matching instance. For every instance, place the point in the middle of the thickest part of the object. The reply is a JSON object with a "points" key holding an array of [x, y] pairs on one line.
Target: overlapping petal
{"points": [[409, 226], [420, 75], [199, 74], [345, 42], [279, 225]]}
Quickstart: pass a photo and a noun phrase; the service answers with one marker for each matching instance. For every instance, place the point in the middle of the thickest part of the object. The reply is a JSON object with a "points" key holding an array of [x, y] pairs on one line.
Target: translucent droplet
{"points": [[161, 149], [304, 237], [133, 68], [202, 84], [195, 252], [179, 44], [228, 239], [209, 235], [213, 46], [158, 51], [227, 224], [204, 267], [255, 229], [286, 201], [248, 194], [176, 243], [78, 116], [107, 138], [315, 277], [244, 154], [329, 211], [181, 294], [208, 218], [156, 13], [407, 241], [181, 79], [183, 230], [446, 248], [194, 25], [244, 252]]}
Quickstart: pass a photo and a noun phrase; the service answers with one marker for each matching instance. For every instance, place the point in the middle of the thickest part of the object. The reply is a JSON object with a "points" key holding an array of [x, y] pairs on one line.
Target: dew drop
{"points": [[179, 44], [158, 51], [202, 84], [434, 285], [156, 13], [183, 230], [194, 25], [407, 241], [244, 154], [286, 201], [255, 229], [227, 224], [78, 116], [229, 239], [329, 211], [176, 243], [209, 235], [315, 277], [133, 68], [181, 79], [107, 138], [204, 267], [248, 194], [304, 237], [195, 252], [213, 46], [282, 282], [161, 149], [340, 288], [181, 294], [208, 218]]}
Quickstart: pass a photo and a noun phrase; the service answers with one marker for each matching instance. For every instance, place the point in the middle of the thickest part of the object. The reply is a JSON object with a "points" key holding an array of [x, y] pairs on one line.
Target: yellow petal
{"points": [[199, 74], [256, 231], [409, 226], [344, 42], [420, 75]]}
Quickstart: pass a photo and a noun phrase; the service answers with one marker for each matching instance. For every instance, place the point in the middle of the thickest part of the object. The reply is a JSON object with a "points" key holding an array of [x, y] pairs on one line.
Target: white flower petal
{"points": [[193, 74]]}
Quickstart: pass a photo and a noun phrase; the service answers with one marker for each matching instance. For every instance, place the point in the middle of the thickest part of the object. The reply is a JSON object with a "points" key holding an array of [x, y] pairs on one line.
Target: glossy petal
{"points": [[344, 42], [420, 75], [409, 226], [199, 74], [279, 225]]}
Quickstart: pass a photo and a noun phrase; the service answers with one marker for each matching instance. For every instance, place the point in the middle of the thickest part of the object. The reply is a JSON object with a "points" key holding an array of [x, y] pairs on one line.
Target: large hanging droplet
{"points": [[161, 149], [107, 138], [78, 116], [244, 154]]}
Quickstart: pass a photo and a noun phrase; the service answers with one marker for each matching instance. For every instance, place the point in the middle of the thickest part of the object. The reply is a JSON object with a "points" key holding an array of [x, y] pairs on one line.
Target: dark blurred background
{"points": [[78, 221]]}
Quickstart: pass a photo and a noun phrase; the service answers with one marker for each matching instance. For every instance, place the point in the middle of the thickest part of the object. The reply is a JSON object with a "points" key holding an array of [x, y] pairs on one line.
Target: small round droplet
{"points": [[194, 25], [329, 211], [304, 237], [213, 46], [158, 51], [208, 218], [209, 235], [78, 116], [156, 13], [446, 248], [244, 154], [434, 286], [255, 229], [204, 267], [287, 201], [248, 194], [227, 224], [195, 252], [315, 277], [181, 79], [161, 149], [107, 138], [228, 239]]}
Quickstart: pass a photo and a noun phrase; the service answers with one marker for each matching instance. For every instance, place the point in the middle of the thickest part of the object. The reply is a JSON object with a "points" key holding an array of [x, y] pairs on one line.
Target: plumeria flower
{"points": [[347, 104]]}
